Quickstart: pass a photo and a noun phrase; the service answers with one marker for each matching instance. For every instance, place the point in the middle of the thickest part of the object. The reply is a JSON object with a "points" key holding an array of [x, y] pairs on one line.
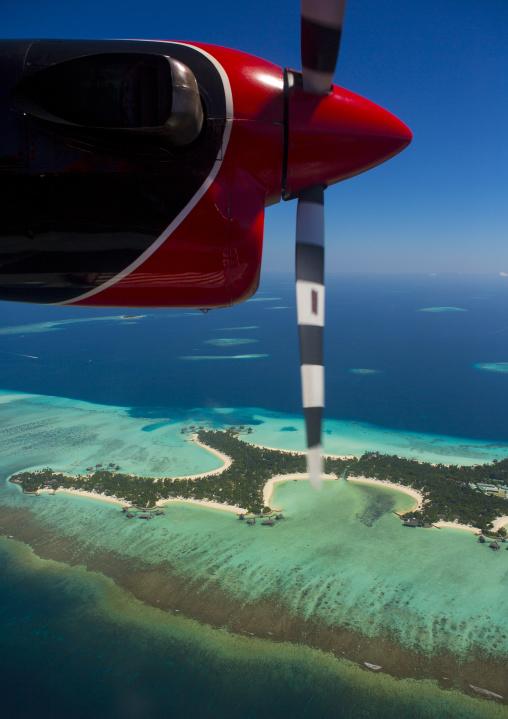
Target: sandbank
{"points": [[385, 483]]}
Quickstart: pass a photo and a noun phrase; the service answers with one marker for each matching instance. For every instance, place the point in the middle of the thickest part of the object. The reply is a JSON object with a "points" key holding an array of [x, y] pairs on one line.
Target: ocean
{"points": [[191, 615]]}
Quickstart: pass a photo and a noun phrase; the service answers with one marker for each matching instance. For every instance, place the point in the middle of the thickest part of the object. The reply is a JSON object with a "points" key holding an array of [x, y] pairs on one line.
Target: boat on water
{"points": [[486, 692]]}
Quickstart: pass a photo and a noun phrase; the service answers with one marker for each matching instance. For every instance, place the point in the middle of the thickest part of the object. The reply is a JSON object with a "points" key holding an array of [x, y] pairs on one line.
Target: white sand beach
{"points": [[202, 503], [83, 493], [456, 525], [499, 522]]}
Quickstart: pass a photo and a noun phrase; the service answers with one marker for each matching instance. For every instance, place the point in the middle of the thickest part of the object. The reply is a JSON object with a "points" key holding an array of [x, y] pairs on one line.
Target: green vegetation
{"points": [[447, 493], [446, 489], [241, 484]]}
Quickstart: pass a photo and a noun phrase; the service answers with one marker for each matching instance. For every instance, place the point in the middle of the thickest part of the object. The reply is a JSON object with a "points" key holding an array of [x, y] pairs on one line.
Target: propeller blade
{"points": [[321, 31], [310, 303]]}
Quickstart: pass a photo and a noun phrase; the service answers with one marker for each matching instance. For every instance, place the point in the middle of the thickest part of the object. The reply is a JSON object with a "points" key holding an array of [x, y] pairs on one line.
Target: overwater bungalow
{"points": [[99, 464], [494, 546], [89, 469], [241, 516], [145, 515], [117, 467], [129, 515], [279, 516], [111, 464], [486, 692], [268, 522], [411, 522], [481, 539], [160, 511], [252, 521]]}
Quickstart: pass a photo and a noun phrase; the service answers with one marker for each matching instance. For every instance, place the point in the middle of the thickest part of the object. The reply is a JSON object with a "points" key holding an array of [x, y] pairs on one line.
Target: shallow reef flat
{"points": [[69, 435], [124, 658]]}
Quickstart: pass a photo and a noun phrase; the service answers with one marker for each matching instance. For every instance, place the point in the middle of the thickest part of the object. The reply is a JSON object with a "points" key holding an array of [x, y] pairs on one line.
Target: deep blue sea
{"points": [[425, 378], [422, 354]]}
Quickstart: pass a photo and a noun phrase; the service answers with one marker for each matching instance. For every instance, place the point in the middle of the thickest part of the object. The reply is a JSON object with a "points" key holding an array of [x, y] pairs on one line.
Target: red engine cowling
{"points": [[136, 173]]}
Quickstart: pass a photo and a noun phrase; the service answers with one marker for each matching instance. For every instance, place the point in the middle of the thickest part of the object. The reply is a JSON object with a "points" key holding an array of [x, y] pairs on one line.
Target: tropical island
{"points": [[449, 493]]}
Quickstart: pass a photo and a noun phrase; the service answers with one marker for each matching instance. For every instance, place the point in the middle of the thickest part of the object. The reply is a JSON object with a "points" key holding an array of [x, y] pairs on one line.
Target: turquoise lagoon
{"points": [[196, 612]]}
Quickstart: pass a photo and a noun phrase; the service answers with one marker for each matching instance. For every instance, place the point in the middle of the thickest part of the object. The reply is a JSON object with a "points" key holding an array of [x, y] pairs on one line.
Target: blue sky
{"points": [[439, 65]]}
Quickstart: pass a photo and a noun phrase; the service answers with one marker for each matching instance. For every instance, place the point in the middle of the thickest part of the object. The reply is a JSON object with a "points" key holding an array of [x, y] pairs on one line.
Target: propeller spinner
{"points": [[333, 134]]}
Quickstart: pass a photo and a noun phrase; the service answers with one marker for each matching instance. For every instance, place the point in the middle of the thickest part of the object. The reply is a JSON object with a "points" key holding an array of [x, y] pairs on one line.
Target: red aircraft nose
{"points": [[337, 136]]}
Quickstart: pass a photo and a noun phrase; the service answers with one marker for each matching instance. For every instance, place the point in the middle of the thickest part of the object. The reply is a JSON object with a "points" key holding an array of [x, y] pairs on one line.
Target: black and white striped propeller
{"points": [[320, 39]]}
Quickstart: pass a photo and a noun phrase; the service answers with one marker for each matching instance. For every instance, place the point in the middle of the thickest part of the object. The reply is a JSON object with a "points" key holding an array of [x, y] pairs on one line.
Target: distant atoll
{"points": [[263, 299], [442, 309], [358, 370], [221, 357], [229, 341], [501, 367]]}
